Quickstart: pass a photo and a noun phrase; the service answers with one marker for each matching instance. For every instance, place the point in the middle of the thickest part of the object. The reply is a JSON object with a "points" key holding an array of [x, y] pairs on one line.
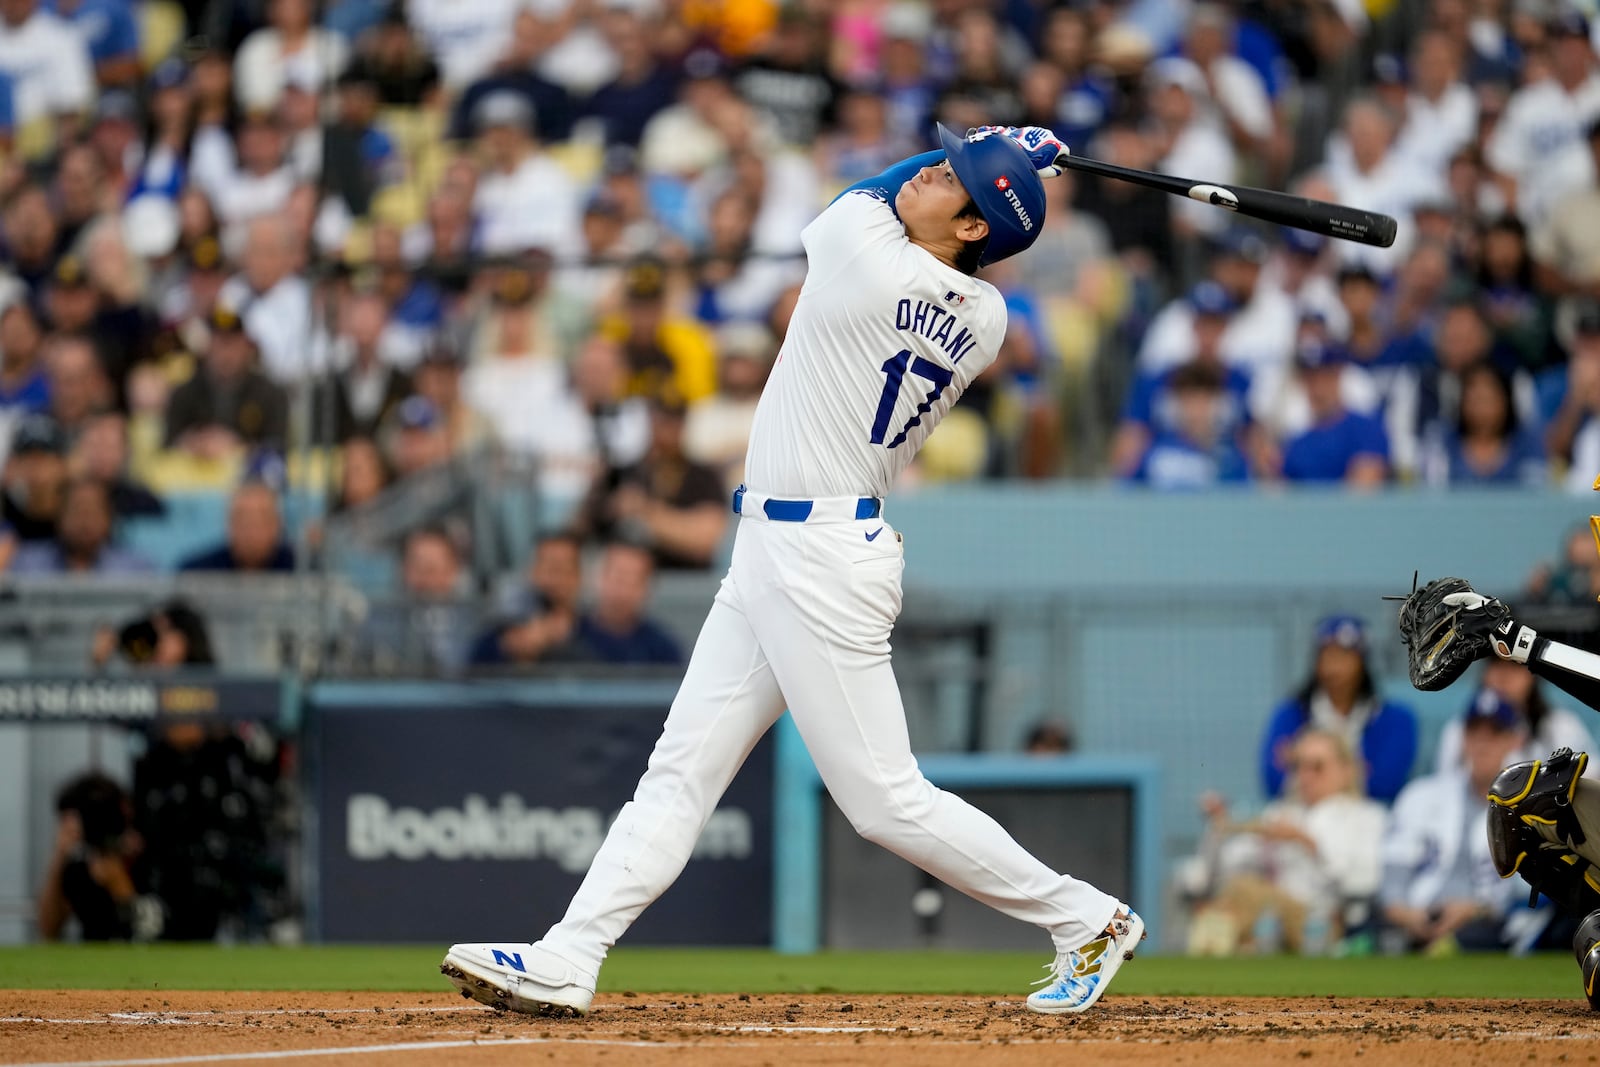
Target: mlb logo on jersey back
{"points": [[1002, 183], [953, 297]]}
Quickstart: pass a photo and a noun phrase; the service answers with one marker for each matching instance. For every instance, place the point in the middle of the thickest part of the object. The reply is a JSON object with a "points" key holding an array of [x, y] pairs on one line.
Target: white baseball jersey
{"points": [[883, 341]]}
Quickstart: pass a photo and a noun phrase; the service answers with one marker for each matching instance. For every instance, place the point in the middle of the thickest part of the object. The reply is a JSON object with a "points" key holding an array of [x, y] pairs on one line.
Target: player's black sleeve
{"points": [[1575, 683]]}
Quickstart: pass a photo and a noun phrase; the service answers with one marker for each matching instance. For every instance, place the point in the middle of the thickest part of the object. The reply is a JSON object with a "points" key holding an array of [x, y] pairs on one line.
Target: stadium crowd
{"points": [[339, 245]]}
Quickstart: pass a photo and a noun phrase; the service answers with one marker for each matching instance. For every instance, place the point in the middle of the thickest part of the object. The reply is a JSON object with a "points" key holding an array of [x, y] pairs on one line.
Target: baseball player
{"points": [[890, 328], [1544, 818]]}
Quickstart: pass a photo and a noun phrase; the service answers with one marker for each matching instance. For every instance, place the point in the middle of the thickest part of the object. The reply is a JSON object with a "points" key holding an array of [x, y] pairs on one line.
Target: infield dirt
{"points": [[346, 1030]]}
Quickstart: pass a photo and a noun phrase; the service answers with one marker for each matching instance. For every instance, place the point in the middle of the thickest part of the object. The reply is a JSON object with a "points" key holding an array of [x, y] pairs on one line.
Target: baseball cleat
{"points": [[1077, 978], [518, 977], [1586, 946]]}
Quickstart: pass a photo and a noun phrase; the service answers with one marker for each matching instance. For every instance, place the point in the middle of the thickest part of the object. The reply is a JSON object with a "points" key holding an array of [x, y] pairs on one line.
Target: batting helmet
{"points": [[1008, 192]]}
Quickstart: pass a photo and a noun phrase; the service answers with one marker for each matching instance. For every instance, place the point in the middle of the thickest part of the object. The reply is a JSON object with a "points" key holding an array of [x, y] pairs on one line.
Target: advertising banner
{"points": [[474, 822]]}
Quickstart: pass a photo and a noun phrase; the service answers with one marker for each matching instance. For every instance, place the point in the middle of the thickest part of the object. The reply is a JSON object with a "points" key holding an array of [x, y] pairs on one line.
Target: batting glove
{"points": [[1044, 148]]}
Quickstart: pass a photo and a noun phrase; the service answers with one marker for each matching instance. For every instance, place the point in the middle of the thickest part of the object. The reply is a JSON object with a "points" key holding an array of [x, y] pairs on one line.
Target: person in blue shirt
{"points": [[1151, 409], [1202, 449], [1341, 697], [112, 34], [1340, 446], [1485, 444], [616, 629]]}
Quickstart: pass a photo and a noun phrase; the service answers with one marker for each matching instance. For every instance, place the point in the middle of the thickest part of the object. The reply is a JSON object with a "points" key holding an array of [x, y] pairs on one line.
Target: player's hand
{"points": [[1044, 148]]}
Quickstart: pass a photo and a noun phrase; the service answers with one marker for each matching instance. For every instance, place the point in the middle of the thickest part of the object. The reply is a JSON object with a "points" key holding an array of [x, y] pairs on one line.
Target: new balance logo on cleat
{"points": [[510, 959]]}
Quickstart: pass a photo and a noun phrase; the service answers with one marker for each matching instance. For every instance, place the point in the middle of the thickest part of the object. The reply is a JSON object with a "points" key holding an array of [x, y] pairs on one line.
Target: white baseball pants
{"points": [[802, 621]]}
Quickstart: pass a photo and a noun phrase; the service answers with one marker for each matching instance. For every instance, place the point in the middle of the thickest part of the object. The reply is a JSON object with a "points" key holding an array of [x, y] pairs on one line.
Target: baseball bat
{"points": [[1317, 216]]}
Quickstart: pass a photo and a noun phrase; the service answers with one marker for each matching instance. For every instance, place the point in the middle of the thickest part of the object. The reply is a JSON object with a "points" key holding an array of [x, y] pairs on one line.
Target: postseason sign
{"points": [[136, 700]]}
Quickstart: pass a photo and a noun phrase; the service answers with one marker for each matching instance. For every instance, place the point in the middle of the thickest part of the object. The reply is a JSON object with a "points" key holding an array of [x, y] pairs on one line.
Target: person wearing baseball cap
{"points": [[1441, 892], [1341, 446], [1151, 410], [1341, 696]]}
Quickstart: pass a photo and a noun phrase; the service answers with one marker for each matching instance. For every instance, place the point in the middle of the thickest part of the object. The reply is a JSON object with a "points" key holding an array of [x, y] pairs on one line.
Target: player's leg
{"points": [[824, 615], [728, 699]]}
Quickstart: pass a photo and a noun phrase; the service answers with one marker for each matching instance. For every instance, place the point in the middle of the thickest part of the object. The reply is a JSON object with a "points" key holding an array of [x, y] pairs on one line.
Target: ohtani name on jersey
{"points": [[937, 325]]}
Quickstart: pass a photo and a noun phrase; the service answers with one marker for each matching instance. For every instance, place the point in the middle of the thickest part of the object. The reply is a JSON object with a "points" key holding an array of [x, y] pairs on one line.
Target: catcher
{"points": [[1544, 822]]}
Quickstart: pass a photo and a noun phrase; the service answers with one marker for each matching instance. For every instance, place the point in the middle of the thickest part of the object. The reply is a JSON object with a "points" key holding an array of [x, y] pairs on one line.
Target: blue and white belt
{"points": [[821, 509]]}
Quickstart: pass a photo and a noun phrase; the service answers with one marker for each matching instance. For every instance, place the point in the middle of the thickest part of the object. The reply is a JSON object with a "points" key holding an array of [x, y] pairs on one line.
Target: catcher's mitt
{"points": [[1446, 626]]}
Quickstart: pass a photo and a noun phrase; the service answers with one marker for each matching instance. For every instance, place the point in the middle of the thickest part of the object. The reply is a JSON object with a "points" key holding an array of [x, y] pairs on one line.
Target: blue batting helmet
{"points": [[1008, 192]]}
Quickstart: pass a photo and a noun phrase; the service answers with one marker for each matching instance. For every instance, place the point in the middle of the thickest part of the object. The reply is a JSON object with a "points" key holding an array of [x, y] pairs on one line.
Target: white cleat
{"points": [[518, 977], [1077, 978]]}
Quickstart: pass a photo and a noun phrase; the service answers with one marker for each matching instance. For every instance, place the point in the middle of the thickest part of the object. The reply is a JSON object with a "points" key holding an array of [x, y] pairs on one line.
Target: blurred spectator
{"points": [[1486, 445], [1574, 577], [863, 145], [517, 71], [80, 192], [358, 157], [254, 541], [666, 502], [1548, 728], [83, 539], [1238, 93], [1190, 141], [396, 61], [419, 437], [1152, 410], [1441, 112], [1138, 218], [1340, 446], [1566, 245], [524, 199], [428, 631], [1316, 853], [618, 629], [1049, 739], [438, 380], [717, 432], [24, 387], [30, 232], [544, 618], [663, 348], [227, 405], [62, 89], [363, 388], [170, 637], [290, 50], [111, 34], [1426, 401], [1518, 314], [254, 183], [363, 474], [102, 455], [90, 875], [1440, 888], [1278, 399], [1537, 148], [642, 86], [274, 300], [789, 78], [1260, 334], [1381, 178], [732, 282], [79, 389], [1201, 449], [1341, 697], [161, 167], [1573, 433], [35, 479], [465, 39]]}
